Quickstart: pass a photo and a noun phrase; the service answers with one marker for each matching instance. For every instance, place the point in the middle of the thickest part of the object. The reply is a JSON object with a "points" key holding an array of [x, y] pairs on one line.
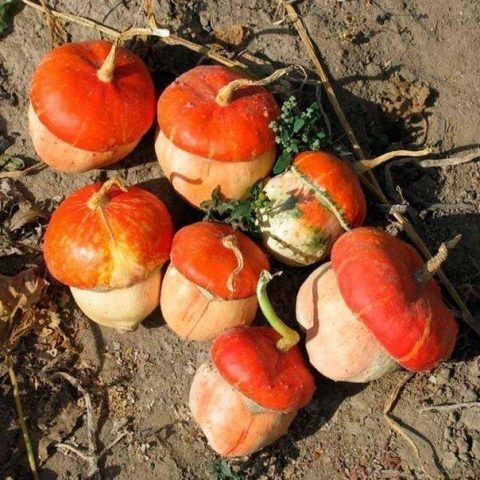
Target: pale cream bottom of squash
{"points": [[195, 314], [121, 308], [65, 157], [338, 344], [285, 233], [233, 424], [195, 177]]}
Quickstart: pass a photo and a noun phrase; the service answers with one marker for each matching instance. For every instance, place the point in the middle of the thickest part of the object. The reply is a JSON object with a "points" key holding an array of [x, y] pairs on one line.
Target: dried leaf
{"points": [[19, 293], [233, 35], [26, 213], [62, 427]]}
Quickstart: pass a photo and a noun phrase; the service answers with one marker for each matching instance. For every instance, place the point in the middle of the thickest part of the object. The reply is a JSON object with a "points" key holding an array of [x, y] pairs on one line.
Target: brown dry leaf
{"points": [[406, 99], [62, 427], [233, 35], [20, 292], [26, 213]]}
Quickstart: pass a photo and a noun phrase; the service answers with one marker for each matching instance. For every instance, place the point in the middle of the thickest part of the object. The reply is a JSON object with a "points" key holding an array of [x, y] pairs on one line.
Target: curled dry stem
{"points": [[289, 336], [362, 166], [37, 167], [107, 70], [225, 94], [21, 417], [432, 265], [230, 242]]}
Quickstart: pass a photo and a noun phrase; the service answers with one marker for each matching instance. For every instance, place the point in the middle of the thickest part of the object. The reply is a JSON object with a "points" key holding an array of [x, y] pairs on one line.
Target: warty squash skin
{"points": [[309, 207]]}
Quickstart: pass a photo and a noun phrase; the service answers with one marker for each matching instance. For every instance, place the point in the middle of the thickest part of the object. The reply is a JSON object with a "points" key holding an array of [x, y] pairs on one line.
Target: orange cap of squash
{"points": [[191, 118], [335, 177], [100, 238], [376, 275], [86, 112], [219, 259], [248, 359]]}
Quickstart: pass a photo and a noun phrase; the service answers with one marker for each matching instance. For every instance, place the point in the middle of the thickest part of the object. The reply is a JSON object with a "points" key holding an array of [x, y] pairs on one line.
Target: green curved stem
{"points": [[289, 336]]}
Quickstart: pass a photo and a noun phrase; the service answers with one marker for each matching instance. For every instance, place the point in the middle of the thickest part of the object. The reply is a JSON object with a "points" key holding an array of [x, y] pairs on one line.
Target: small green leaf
{"points": [[10, 164], [4, 14], [298, 124], [223, 471], [282, 163]]}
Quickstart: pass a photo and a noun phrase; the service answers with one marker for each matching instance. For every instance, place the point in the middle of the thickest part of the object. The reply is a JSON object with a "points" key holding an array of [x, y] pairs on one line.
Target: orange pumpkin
{"points": [[108, 243], [370, 310], [249, 394], [310, 206], [86, 110], [208, 138], [210, 283]]}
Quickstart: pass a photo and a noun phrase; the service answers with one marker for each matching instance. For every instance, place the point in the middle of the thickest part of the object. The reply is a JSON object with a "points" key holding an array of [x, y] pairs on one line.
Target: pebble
{"points": [[462, 445], [449, 460], [476, 449], [470, 396], [470, 417]]}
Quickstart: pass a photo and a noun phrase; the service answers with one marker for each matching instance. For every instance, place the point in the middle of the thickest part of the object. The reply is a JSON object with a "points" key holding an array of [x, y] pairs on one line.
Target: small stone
{"points": [[475, 450], [462, 445], [470, 396], [471, 418], [449, 460], [443, 376]]}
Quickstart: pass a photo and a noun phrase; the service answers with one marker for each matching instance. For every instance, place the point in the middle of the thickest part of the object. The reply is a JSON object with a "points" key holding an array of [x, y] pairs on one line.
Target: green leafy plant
{"points": [[4, 14], [222, 470], [296, 132], [10, 164], [240, 214]]}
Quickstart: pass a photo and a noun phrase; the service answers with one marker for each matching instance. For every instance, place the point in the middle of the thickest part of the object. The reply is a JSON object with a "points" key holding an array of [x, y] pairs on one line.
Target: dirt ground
{"points": [[380, 53]]}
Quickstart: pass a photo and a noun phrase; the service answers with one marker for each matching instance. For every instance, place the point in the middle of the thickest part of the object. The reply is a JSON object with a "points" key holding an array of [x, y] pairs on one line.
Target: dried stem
{"points": [[371, 183], [58, 36], [449, 406], [21, 417], [394, 425], [225, 94], [107, 70], [363, 166], [112, 33], [432, 265], [230, 242], [100, 199], [37, 167]]}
